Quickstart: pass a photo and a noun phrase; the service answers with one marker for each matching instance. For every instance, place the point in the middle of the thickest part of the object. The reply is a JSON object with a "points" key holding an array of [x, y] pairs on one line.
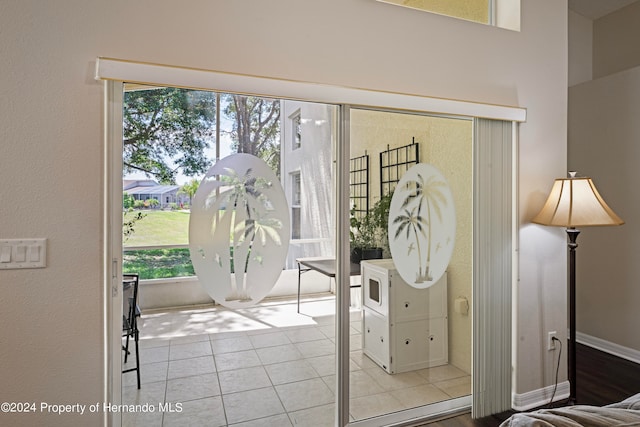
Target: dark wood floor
{"points": [[602, 379]]}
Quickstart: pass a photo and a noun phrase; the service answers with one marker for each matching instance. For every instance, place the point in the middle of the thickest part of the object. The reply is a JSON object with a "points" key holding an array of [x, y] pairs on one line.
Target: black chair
{"points": [[130, 314]]}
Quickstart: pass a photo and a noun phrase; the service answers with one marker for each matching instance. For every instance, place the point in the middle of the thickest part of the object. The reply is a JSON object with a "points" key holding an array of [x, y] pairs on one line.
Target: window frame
{"points": [[296, 204], [296, 130]]}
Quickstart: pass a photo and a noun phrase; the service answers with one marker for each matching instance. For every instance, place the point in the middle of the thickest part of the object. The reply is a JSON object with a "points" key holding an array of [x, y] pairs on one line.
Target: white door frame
{"points": [[112, 246], [114, 72]]}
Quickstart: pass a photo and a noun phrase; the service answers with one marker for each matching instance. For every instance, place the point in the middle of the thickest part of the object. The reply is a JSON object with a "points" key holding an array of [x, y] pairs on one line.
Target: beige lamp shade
{"points": [[575, 202]]}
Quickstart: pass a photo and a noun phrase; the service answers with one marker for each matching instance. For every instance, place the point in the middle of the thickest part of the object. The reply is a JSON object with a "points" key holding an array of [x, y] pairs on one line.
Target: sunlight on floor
{"points": [[267, 365], [218, 319]]}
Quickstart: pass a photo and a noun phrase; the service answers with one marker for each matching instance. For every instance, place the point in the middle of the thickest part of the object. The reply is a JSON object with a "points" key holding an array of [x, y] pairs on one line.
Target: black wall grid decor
{"points": [[394, 162], [359, 185]]}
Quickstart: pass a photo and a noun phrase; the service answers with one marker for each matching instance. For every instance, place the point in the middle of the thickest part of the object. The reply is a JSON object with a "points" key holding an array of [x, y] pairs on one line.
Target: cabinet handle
{"points": [[406, 305], [368, 330], [381, 339], [431, 337], [407, 341]]}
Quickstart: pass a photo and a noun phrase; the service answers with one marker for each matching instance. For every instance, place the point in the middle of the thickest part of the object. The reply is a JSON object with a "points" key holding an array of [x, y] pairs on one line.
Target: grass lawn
{"points": [[158, 263], [160, 228]]}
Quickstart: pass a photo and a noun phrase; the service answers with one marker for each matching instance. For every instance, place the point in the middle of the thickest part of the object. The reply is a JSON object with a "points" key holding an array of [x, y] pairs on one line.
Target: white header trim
{"points": [[154, 74]]}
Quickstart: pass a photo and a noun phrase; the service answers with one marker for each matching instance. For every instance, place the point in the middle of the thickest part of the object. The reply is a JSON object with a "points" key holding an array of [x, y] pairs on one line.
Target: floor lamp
{"points": [[574, 202]]}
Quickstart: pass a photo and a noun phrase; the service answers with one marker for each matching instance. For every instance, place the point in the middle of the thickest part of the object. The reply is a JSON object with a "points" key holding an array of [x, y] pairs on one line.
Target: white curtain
{"points": [[493, 248]]}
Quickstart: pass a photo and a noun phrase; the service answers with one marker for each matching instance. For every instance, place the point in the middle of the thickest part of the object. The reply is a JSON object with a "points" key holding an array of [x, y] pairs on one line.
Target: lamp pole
{"points": [[572, 233]]}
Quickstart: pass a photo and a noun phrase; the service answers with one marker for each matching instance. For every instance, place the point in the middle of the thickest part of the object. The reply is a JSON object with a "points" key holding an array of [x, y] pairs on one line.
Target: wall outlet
{"points": [[551, 344]]}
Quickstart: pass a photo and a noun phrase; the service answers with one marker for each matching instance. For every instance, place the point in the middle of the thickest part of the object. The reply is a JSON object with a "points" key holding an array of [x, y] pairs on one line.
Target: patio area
{"points": [[266, 366]]}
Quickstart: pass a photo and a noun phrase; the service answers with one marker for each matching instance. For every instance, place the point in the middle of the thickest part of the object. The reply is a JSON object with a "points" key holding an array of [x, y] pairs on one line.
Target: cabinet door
{"points": [[375, 288], [409, 303], [437, 298], [420, 344], [375, 338]]}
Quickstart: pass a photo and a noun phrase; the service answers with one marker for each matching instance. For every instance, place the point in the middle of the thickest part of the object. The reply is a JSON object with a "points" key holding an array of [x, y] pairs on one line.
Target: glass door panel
{"points": [[214, 355], [410, 348]]}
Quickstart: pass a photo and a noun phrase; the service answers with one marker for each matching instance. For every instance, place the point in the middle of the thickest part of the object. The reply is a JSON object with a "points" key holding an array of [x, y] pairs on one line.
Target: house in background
{"points": [[166, 195], [56, 353]]}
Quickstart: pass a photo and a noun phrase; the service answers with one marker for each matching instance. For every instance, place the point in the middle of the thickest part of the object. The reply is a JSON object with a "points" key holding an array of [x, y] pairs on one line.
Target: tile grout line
{"points": [[215, 366]]}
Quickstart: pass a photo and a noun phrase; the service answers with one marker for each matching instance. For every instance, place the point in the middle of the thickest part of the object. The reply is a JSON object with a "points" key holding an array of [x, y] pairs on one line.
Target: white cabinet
{"points": [[403, 328]]}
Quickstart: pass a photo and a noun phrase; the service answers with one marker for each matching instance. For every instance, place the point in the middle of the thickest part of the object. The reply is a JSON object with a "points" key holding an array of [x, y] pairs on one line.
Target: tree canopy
{"points": [[190, 188], [256, 127], [166, 130]]}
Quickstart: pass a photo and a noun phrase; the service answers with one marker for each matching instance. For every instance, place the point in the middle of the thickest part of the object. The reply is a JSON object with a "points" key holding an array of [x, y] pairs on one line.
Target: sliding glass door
{"points": [[342, 336], [410, 347]]}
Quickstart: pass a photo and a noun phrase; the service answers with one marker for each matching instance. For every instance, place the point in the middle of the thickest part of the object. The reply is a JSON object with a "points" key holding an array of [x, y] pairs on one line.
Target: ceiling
{"points": [[594, 9]]}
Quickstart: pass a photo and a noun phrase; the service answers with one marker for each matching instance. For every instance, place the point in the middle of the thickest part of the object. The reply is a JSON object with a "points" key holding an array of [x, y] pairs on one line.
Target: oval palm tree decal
{"points": [[422, 226], [239, 230]]}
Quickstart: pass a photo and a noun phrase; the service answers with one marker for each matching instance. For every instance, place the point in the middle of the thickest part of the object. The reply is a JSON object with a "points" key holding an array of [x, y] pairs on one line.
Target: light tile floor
{"points": [[266, 366]]}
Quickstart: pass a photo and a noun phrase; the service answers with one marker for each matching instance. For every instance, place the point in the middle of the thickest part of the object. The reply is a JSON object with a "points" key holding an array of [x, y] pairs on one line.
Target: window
{"points": [[499, 13], [169, 162], [296, 130], [295, 205]]}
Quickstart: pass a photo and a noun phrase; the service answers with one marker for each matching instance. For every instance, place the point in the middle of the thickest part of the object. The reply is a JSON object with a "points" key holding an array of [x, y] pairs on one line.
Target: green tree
{"points": [[129, 223], [151, 203], [127, 200], [256, 127], [190, 188], [166, 130]]}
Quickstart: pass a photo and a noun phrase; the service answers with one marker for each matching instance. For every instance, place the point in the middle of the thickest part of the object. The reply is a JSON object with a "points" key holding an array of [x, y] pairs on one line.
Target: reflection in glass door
{"points": [[410, 349]]}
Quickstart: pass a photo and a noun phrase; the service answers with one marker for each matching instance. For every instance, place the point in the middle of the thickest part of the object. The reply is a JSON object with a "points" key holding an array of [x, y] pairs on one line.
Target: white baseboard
{"points": [[609, 347], [540, 397]]}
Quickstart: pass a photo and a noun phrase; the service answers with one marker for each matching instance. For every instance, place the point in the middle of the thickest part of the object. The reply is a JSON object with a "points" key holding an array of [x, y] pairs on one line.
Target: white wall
{"points": [[51, 144], [580, 49], [603, 138], [603, 135], [615, 41]]}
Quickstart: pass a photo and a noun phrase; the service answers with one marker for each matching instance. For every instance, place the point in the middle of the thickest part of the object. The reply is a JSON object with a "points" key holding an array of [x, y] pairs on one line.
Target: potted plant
{"points": [[380, 213], [364, 239], [368, 234]]}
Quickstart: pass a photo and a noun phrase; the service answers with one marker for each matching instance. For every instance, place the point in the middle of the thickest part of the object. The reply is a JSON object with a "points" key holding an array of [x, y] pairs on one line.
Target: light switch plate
{"points": [[23, 253]]}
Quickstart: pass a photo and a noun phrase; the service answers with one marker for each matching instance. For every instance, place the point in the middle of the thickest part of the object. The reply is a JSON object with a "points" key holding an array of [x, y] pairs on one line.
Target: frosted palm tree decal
{"points": [[431, 195], [244, 193], [248, 206], [257, 228], [410, 221], [237, 230], [422, 223]]}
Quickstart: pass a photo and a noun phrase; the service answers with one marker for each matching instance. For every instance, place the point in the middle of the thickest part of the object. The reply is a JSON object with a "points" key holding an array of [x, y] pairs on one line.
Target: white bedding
{"points": [[625, 413]]}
